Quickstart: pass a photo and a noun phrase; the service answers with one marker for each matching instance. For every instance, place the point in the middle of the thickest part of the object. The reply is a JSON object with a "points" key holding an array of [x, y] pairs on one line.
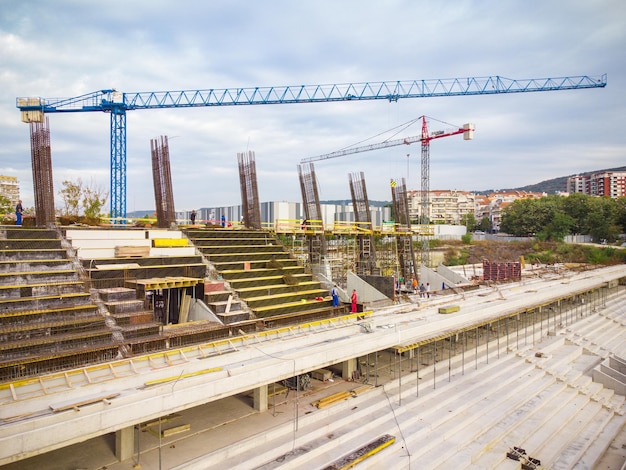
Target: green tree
{"points": [[469, 220], [79, 198], [602, 219], [485, 225], [5, 205], [93, 201], [522, 218], [556, 230], [72, 195], [577, 206], [620, 216]]}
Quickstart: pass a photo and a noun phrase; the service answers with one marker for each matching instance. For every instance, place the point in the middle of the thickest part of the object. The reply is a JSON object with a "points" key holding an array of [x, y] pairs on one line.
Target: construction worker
{"points": [[354, 300], [335, 294], [18, 213]]}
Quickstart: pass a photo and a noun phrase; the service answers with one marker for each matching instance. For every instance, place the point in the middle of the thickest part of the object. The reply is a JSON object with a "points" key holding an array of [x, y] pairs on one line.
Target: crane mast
{"points": [[117, 103]]}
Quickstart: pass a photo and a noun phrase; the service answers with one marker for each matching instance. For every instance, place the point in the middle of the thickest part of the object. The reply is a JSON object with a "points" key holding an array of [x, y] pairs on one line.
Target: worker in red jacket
{"points": [[353, 299]]}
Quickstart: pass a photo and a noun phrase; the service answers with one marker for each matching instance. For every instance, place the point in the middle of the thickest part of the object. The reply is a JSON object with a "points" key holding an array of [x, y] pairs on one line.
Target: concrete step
{"points": [[9, 233], [10, 295], [421, 421], [32, 254], [241, 250], [30, 244], [591, 452], [233, 317], [301, 306], [65, 313], [465, 426], [219, 307], [269, 289], [578, 432], [232, 274], [549, 417], [490, 451], [232, 241], [198, 234], [274, 300], [117, 294], [35, 265], [16, 278], [125, 306], [280, 441], [244, 256], [133, 318], [242, 264], [244, 283]]}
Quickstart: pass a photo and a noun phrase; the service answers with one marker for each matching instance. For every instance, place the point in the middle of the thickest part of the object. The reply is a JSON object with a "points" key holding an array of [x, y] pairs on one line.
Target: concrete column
{"points": [[125, 443], [347, 368], [260, 398]]}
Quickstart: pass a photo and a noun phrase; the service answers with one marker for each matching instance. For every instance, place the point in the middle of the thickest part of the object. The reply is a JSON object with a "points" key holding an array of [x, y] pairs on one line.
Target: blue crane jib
{"points": [[117, 103]]}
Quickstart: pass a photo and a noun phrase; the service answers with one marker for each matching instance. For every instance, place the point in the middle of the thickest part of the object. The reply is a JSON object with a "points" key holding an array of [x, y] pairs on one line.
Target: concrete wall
{"points": [[367, 294]]}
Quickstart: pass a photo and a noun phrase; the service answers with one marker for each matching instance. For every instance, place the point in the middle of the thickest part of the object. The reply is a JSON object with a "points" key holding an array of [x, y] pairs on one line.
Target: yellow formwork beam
{"points": [[182, 376]]}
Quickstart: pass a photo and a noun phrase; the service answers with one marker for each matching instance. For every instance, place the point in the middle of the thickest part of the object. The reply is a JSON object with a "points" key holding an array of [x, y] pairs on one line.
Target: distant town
{"points": [[445, 206]]}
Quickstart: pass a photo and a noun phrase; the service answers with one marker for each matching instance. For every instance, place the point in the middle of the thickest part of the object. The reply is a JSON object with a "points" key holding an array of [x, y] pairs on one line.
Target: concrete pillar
{"points": [[124, 443], [260, 398], [347, 368]]}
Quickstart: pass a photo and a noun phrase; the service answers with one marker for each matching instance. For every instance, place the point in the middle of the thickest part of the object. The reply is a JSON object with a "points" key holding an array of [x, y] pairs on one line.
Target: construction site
{"points": [[204, 346]]}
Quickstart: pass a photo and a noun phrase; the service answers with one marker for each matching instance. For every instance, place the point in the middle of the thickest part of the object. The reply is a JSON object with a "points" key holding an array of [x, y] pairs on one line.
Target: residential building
{"points": [[605, 183], [10, 188], [445, 206]]}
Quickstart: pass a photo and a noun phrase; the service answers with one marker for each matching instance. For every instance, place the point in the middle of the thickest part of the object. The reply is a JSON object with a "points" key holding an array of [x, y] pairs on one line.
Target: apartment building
{"points": [[445, 206], [605, 183], [10, 188]]}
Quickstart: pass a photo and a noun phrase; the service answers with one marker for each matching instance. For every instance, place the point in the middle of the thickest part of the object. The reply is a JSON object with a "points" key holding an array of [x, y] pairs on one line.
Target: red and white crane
{"points": [[425, 138]]}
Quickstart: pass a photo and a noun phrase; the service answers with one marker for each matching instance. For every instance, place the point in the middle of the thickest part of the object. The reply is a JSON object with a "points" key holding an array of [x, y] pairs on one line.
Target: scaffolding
{"points": [[42, 173], [366, 261], [404, 238], [162, 179], [313, 224], [249, 191]]}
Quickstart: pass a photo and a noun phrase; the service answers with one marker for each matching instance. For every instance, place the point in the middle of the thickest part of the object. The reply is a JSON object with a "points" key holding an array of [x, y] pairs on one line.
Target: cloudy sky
{"points": [[70, 47]]}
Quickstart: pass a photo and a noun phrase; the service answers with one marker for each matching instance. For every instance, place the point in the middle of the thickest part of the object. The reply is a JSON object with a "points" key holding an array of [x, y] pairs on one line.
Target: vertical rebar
{"points": [[41, 156]]}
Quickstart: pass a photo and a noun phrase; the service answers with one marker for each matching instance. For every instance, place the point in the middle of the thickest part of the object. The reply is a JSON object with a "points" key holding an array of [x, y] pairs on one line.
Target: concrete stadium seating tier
{"points": [[110, 256], [48, 320], [263, 274], [540, 398]]}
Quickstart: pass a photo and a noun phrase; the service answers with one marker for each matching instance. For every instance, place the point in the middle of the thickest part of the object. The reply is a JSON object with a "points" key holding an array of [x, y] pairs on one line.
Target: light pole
{"points": [[407, 170]]}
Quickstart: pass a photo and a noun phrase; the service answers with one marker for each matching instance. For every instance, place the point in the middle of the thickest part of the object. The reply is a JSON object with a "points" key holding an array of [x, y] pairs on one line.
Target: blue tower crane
{"points": [[117, 103]]}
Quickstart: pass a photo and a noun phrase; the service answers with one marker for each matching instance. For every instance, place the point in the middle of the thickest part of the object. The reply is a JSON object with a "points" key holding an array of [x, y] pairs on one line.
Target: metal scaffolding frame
{"points": [[162, 179]]}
